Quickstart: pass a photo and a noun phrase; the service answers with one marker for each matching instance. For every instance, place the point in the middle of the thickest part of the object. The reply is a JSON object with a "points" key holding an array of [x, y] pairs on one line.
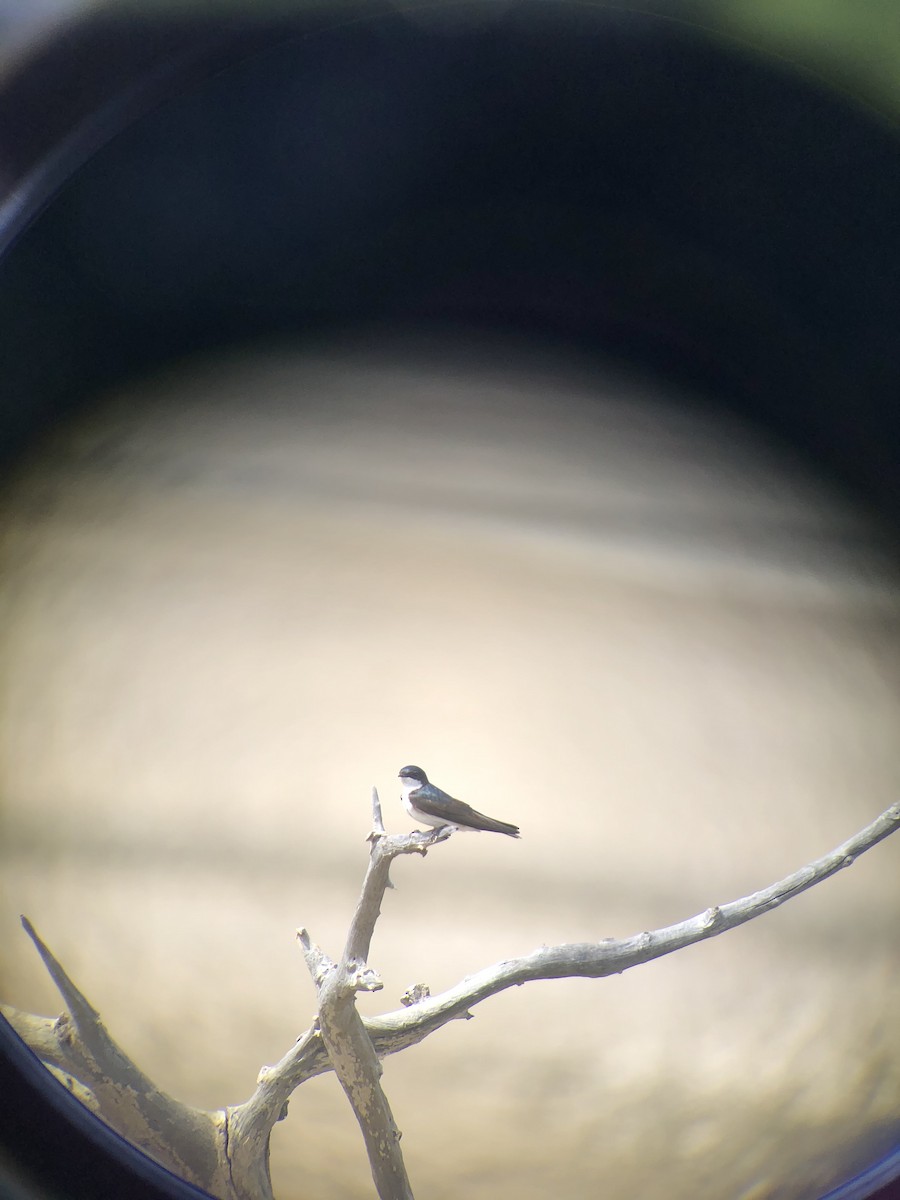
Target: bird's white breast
{"points": [[408, 786]]}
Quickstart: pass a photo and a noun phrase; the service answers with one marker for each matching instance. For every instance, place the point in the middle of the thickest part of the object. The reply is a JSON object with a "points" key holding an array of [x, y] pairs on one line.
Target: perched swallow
{"points": [[428, 805]]}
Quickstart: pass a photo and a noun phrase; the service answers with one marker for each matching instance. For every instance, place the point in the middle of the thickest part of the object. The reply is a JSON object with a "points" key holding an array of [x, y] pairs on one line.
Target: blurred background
{"points": [[506, 389]]}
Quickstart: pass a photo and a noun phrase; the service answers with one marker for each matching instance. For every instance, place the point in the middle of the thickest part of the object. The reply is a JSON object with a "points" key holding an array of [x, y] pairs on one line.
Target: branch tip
{"points": [[83, 1012], [377, 819], [712, 917]]}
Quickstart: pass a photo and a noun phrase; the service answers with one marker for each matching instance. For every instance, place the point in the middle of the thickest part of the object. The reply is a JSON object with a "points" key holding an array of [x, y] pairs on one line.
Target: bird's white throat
{"points": [[407, 786]]}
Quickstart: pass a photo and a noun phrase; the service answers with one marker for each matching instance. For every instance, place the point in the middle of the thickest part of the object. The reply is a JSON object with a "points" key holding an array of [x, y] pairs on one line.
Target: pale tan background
{"points": [[235, 597]]}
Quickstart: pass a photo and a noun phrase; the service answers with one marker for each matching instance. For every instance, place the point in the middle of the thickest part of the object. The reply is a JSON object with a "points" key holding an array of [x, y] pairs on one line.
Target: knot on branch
{"points": [[712, 918], [62, 1027], [322, 972], [415, 994], [363, 979]]}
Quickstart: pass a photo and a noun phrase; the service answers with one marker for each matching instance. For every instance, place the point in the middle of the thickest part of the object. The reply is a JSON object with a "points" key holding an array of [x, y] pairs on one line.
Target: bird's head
{"points": [[416, 774]]}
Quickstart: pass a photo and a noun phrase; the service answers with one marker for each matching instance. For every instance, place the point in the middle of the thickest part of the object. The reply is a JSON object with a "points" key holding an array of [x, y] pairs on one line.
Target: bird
{"points": [[428, 805]]}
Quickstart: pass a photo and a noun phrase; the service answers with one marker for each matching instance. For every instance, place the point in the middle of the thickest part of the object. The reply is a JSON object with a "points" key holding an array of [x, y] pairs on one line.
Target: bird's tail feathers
{"points": [[491, 826]]}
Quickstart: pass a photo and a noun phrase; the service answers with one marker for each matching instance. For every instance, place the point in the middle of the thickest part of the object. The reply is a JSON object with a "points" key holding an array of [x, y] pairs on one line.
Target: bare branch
{"points": [[41, 1035], [378, 829], [404, 1027], [188, 1141], [385, 848], [354, 1061], [348, 1045], [86, 1018], [318, 963], [593, 960], [228, 1153]]}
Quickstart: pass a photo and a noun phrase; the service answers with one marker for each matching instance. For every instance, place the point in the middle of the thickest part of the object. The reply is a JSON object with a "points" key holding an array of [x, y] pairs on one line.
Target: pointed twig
{"points": [[187, 1140], [84, 1016], [377, 819], [384, 849]]}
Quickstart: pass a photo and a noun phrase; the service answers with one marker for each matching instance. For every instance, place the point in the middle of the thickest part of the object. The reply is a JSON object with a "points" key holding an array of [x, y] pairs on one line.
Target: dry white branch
{"points": [[593, 960], [406, 1026], [228, 1152], [189, 1141], [347, 1044], [353, 1059]]}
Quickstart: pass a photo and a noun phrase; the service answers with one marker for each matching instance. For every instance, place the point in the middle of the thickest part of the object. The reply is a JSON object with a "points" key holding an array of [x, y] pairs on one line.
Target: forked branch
{"points": [[189, 1141], [228, 1152], [349, 1047]]}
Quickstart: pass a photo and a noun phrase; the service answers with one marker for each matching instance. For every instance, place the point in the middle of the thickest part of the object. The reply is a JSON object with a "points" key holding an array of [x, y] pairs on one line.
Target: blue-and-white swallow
{"points": [[428, 805]]}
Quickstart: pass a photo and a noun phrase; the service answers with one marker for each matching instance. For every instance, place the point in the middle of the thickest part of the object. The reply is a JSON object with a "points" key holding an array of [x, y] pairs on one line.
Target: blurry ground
{"points": [[228, 611]]}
